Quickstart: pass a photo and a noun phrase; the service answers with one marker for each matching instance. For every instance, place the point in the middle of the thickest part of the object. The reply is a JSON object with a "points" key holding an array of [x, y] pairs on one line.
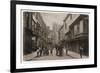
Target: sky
{"points": [[53, 18]]}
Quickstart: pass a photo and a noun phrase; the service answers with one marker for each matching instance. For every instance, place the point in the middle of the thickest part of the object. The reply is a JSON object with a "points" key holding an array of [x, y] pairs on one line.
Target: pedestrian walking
{"points": [[38, 52], [43, 51], [81, 51], [60, 50], [51, 51], [64, 51], [67, 50], [57, 51], [54, 51]]}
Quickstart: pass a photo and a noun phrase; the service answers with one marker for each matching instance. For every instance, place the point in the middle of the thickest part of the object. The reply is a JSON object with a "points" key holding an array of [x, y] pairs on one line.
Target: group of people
{"points": [[55, 51], [58, 51], [42, 52]]}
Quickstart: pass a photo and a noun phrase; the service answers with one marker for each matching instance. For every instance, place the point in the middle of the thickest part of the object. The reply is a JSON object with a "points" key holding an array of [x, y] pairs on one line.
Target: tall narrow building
{"points": [[55, 33], [27, 34]]}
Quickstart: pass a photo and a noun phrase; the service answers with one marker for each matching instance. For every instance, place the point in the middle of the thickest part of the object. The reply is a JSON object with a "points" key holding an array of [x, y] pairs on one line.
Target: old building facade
{"points": [[35, 32], [79, 32], [74, 33], [27, 28]]}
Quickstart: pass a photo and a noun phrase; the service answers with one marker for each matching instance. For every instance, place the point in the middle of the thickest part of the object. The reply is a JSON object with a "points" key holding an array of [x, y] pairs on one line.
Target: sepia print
{"points": [[55, 36], [52, 36]]}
